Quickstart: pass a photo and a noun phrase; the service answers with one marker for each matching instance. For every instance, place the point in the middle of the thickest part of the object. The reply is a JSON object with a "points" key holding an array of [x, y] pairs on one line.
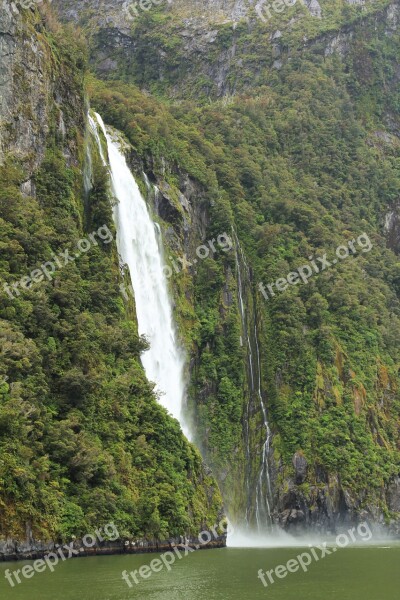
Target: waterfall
{"points": [[264, 488], [246, 339], [140, 247], [139, 242], [88, 166], [263, 492]]}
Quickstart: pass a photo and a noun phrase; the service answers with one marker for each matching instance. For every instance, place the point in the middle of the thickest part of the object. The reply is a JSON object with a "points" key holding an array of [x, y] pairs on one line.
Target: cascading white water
{"points": [[94, 131], [246, 341], [140, 247]]}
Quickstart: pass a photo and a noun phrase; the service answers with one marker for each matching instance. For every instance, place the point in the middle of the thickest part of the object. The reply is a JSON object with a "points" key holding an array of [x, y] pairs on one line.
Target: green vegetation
{"points": [[300, 167], [299, 160], [83, 440]]}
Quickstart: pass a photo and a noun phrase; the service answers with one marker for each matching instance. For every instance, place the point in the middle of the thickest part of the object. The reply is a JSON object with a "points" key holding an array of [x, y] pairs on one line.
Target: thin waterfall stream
{"points": [[140, 247], [263, 494]]}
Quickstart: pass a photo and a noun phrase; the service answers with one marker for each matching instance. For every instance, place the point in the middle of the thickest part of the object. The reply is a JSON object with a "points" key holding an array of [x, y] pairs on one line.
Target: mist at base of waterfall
{"points": [[278, 538]]}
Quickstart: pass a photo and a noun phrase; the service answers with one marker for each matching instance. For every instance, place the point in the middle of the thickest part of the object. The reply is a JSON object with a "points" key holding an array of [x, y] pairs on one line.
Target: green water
{"points": [[366, 573]]}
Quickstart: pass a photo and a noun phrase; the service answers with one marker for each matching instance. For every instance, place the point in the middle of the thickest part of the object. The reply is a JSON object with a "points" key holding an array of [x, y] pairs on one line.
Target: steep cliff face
{"points": [[285, 138], [260, 486], [216, 48], [392, 228], [295, 166], [83, 440], [38, 93]]}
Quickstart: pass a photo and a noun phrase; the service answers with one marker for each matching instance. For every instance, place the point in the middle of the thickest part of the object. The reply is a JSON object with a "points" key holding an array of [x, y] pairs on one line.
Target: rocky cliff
{"points": [[284, 136], [212, 48], [36, 92], [283, 94]]}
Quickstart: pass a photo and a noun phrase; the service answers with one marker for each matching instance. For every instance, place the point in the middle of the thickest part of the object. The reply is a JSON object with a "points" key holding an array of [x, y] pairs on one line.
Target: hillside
{"points": [[282, 134], [83, 440]]}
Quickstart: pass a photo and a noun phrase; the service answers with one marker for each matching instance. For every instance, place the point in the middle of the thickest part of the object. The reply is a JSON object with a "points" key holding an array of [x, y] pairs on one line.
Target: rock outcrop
{"points": [[35, 93]]}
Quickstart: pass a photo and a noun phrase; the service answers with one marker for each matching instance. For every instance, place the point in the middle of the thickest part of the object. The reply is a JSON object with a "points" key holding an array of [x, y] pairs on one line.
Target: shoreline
{"points": [[40, 551]]}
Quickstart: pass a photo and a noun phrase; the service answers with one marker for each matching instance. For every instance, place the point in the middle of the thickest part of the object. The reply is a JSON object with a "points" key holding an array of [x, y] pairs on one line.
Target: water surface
{"points": [[356, 573]]}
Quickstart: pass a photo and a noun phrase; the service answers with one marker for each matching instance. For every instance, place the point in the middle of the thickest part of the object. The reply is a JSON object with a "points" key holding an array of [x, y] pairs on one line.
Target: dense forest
{"points": [[83, 438], [299, 167], [294, 152]]}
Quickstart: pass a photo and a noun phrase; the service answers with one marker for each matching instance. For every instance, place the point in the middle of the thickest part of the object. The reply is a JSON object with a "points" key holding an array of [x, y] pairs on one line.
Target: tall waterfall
{"points": [[140, 247], [260, 503]]}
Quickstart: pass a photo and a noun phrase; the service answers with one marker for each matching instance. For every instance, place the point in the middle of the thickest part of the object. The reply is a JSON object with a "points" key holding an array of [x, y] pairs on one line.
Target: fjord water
{"points": [[140, 247], [359, 573]]}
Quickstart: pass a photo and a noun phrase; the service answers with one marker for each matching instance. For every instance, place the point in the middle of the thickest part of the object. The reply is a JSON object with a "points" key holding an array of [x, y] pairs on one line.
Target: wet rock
{"points": [[12, 550], [300, 465], [291, 517], [392, 228], [394, 496]]}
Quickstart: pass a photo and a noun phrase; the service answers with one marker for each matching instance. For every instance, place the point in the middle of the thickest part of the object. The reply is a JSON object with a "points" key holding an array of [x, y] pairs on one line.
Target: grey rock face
{"points": [[8, 29], [392, 228], [30, 91], [315, 8], [24, 88], [356, 2], [300, 465], [394, 496]]}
